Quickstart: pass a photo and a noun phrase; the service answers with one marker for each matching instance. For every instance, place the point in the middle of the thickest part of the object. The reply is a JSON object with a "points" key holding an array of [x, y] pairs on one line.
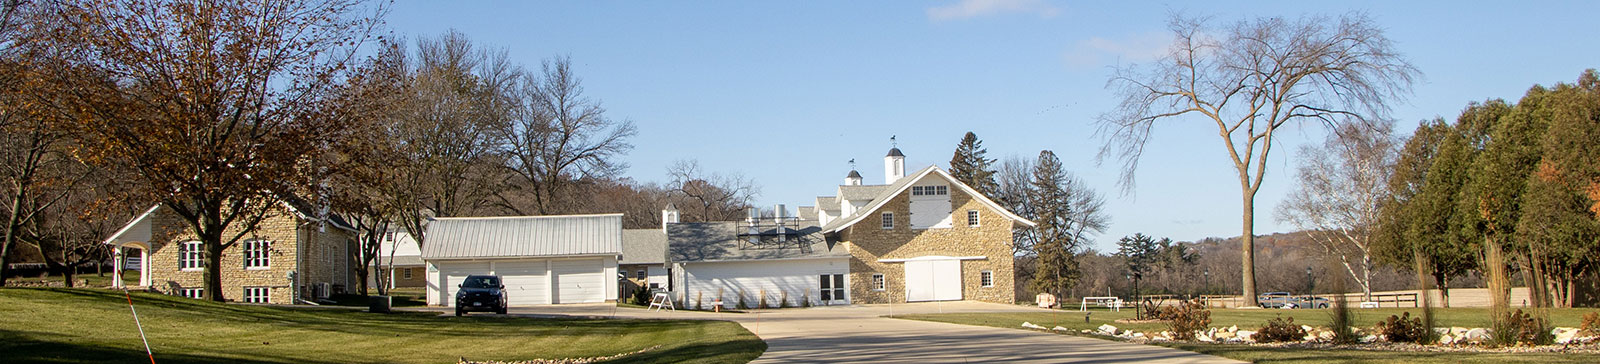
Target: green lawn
{"points": [[1253, 319], [49, 325], [401, 297], [132, 279]]}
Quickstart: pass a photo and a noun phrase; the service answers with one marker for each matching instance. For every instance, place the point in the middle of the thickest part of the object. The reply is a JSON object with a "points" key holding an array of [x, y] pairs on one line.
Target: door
{"points": [[832, 289], [933, 280], [527, 282], [454, 274], [579, 280]]}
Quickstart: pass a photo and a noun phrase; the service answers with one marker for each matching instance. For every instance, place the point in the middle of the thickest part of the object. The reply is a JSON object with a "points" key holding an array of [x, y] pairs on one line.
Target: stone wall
{"points": [[867, 242], [168, 229]]}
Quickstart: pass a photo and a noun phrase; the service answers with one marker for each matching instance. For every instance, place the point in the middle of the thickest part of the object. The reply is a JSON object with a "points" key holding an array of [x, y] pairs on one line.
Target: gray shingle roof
{"points": [[720, 241], [402, 261], [643, 246], [827, 203], [806, 212], [853, 193], [888, 191], [878, 192], [523, 236]]}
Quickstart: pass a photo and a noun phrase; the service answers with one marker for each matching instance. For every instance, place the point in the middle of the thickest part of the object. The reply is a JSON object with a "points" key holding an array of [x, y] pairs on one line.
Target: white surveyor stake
{"points": [[140, 326]]}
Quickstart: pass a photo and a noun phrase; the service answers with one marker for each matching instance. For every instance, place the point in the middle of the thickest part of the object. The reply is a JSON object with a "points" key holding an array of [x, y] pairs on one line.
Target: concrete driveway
{"points": [[859, 333]]}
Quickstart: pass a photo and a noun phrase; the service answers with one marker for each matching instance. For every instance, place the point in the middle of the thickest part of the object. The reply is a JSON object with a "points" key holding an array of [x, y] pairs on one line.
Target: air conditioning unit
{"points": [[321, 290]]}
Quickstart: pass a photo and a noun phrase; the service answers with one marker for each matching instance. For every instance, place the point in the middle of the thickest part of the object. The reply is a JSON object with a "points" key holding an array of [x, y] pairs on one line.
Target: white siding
{"points": [[579, 281], [527, 282], [448, 277], [798, 278], [930, 211], [657, 275]]}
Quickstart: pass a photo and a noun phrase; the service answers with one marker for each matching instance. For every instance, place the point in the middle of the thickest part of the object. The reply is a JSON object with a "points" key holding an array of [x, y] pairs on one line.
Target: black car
{"points": [[481, 293]]}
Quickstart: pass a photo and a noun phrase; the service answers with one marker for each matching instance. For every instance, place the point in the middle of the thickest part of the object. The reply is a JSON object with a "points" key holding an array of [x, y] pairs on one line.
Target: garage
{"points": [[933, 280], [822, 281], [540, 259]]}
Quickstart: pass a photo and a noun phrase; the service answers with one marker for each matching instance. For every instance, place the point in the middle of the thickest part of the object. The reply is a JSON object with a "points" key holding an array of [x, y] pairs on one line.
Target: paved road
{"points": [[859, 334]]}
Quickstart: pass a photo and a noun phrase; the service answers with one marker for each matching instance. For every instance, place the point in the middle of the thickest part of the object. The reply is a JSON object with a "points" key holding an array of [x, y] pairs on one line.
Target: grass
{"points": [[1254, 319], [57, 325], [401, 297]]}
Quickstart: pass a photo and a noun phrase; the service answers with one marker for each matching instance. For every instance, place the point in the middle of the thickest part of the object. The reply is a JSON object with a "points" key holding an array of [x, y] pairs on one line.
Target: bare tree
{"points": [[1015, 178], [558, 137], [1342, 186], [1250, 79], [705, 196]]}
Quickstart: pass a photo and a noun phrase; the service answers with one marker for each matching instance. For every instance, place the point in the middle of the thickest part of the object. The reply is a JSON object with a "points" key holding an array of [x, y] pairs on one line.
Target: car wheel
{"points": [[458, 312], [501, 310]]}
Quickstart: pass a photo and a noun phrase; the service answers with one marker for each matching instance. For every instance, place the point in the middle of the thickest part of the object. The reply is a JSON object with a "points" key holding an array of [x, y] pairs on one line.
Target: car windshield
{"points": [[481, 282]]}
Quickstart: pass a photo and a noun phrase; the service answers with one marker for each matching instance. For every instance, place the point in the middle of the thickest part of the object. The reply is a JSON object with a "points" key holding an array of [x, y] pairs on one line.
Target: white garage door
{"points": [[579, 281], [526, 282], [933, 280], [454, 274]]}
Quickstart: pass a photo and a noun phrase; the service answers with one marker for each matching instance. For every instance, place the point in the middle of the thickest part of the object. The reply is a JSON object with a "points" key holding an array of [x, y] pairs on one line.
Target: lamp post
{"points": [[1311, 283], [1207, 289]]}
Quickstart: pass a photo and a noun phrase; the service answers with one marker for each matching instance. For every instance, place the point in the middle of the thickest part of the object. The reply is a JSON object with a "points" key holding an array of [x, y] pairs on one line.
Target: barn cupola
{"points": [[669, 216], [852, 179], [894, 166]]}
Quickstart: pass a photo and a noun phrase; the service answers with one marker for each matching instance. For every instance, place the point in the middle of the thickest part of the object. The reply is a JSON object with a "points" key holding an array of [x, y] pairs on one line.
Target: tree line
{"points": [[220, 111]]}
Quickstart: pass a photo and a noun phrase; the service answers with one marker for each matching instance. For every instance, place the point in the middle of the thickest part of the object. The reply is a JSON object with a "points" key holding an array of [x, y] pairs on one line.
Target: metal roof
{"points": [[723, 241], [889, 191], [522, 236], [644, 246]]}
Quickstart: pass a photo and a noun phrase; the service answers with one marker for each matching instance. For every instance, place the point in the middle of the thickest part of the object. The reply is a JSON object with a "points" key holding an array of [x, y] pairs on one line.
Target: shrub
{"points": [[1187, 317], [641, 296], [1342, 320], [784, 301], [1590, 326], [762, 301], [1404, 329], [1522, 328], [805, 300], [1280, 330], [742, 305]]}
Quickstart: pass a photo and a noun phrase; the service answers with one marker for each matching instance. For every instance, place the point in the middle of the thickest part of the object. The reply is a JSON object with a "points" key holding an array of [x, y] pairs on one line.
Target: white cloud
{"points": [[975, 8], [1134, 48]]}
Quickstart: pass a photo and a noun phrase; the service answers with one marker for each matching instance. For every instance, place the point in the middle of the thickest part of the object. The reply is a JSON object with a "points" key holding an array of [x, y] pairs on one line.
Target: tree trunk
{"points": [[1366, 276], [211, 239], [1443, 282], [10, 238], [1247, 245]]}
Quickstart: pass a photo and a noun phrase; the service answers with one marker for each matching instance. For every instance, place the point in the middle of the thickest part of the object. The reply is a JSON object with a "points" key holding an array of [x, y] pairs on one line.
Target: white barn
{"points": [[541, 259]]}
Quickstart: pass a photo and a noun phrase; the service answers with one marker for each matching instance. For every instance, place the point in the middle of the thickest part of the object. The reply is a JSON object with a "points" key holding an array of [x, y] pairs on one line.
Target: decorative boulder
{"points": [[1234, 328], [1108, 329], [1447, 339], [1059, 328], [1204, 337], [1032, 326], [1477, 335], [1246, 335], [1226, 335], [1369, 339], [1564, 335]]}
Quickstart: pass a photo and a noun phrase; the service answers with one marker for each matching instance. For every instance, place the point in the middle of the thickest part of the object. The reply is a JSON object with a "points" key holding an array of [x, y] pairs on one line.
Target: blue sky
{"points": [[786, 92]]}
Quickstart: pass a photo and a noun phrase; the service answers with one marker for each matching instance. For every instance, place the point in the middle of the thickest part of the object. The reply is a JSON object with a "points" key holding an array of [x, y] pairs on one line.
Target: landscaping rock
{"points": [[1447, 339], [1477, 335], [1307, 328], [1086, 331], [1369, 339], [1032, 326], [1226, 335], [1234, 328], [1205, 338], [1108, 329], [1062, 329], [1325, 335], [1246, 335], [1459, 331], [1564, 335]]}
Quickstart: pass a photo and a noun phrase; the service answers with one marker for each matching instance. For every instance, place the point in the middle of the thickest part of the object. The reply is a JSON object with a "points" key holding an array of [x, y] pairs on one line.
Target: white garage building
{"points": [[782, 259], [541, 259]]}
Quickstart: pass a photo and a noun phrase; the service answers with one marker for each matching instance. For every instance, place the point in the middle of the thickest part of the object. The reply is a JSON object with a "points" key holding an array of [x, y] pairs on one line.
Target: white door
{"points": [[933, 280], [526, 282], [831, 289], [579, 281], [454, 274]]}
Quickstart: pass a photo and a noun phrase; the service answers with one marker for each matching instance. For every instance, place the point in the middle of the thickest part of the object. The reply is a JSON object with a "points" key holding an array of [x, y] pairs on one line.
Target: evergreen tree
{"points": [[1140, 253], [1414, 221], [971, 166], [1057, 269]]}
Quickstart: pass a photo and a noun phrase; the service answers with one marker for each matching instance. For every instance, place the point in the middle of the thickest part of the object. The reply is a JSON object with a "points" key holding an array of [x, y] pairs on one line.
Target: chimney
{"points": [[894, 166], [777, 217], [753, 231], [853, 179], [669, 216]]}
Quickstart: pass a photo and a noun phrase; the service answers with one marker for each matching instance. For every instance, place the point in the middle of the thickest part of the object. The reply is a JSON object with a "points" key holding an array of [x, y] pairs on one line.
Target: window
{"points": [[888, 220], [406, 272], [258, 295], [987, 278], [189, 255], [196, 293], [257, 254], [930, 190], [877, 281], [640, 274], [972, 218]]}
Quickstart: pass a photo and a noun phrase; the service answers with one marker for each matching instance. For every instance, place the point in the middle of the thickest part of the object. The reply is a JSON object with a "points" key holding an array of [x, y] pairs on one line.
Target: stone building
{"points": [[291, 257], [918, 237]]}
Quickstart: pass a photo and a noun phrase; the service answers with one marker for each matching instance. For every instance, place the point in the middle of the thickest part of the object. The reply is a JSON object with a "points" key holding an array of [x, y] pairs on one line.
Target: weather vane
{"points": [[892, 143], [852, 164]]}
